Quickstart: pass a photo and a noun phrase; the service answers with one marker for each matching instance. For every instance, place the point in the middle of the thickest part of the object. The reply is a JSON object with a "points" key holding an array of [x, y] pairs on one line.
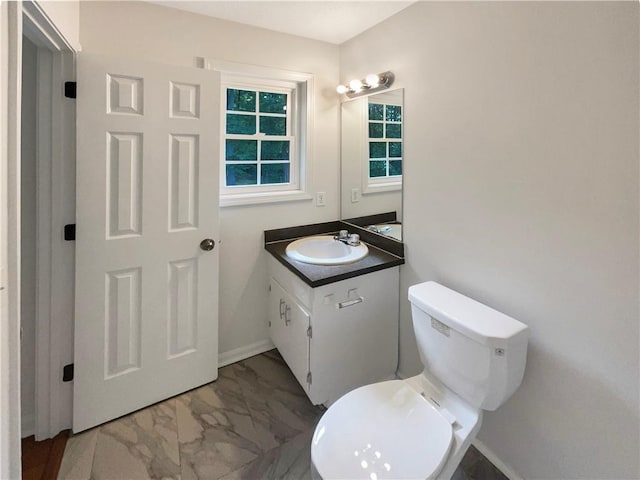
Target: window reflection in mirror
{"points": [[372, 160]]}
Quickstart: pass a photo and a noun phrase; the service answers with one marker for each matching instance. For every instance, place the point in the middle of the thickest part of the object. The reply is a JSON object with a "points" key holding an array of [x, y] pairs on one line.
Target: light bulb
{"points": [[342, 89], [355, 85], [372, 80]]}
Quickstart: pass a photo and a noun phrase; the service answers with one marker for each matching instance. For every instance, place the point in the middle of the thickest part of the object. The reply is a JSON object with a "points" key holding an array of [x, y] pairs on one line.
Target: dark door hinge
{"points": [[309, 378], [70, 89], [309, 332], [67, 373], [70, 232]]}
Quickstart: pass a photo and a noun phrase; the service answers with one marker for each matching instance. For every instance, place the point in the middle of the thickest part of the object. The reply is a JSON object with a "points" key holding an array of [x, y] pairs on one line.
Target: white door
{"points": [[146, 317]]}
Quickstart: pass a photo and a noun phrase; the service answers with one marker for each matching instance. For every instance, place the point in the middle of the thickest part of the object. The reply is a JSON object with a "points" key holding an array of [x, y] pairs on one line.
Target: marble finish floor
{"points": [[254, 422]]}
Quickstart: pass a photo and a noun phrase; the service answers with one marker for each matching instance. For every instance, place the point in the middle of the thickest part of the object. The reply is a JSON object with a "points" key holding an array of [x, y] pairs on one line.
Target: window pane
{"points": [[273, 102], [241, 100], [395, 167], [274, 150], [274, 173], [273, 125], [394, 113], [243, 124], [377, 168], [242, 150], [377, 150], [375, 130], [394, 130], [242, 174], [395, 149], [376, 111]]}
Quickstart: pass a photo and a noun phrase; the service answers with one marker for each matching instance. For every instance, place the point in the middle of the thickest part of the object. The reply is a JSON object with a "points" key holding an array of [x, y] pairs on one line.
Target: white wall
{"points": [[521, 190], [28, 238], [65, 15], [160, 34]]}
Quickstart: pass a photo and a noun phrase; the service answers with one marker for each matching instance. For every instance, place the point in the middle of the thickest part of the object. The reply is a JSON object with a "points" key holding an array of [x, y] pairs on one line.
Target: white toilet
{"points": [[421, 427]]}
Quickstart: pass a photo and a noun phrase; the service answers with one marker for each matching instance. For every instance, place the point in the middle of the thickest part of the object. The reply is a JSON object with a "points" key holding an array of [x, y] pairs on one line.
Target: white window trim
{"points": [[304, 115], [378, 184], [292, 134]]}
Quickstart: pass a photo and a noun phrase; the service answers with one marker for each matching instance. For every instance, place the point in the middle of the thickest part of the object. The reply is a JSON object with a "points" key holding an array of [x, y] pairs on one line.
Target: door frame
{"points": [[55, 167], [40, 28]]}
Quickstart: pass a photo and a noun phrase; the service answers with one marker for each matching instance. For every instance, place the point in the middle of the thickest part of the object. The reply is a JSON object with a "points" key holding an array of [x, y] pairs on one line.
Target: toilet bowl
{"points": [[421, 427]]}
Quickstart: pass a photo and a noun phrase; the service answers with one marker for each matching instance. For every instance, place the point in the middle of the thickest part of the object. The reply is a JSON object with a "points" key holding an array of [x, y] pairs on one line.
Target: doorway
{"points": [[47, 203]]}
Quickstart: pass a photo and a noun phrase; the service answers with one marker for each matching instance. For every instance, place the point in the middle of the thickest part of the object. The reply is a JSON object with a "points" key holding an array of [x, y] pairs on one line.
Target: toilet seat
{"points": [[384, 430]]}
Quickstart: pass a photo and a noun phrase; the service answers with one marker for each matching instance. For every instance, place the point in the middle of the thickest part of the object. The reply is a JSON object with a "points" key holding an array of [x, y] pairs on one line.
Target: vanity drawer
{"points": [[292, 284]]}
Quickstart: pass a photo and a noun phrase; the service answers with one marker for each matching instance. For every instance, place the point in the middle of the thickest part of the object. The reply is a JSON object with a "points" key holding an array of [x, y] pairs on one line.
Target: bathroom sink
{"points": [[325, 250]]}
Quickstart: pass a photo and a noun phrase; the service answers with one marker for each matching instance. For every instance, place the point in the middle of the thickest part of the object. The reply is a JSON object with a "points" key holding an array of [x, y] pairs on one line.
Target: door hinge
{"points": [[309, 378], [309, 332], [67, 373], [70, 89], [269, 287], [70, 232]]}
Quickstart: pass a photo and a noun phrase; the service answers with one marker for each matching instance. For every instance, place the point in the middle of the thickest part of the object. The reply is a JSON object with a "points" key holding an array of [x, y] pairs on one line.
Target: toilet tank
{"points": [[474, 350]]}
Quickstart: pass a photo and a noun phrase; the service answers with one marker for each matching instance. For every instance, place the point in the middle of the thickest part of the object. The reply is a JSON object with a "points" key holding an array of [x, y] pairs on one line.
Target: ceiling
{"points": [[329, 21]]}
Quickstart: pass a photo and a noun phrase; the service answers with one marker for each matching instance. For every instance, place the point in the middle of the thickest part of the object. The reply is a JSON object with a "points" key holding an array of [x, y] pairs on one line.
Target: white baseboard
{"points": [[28, 425], [247, 351], [493, 458]]}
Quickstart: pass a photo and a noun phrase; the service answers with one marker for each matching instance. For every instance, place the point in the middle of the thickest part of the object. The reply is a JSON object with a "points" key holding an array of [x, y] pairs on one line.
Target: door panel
{"points": [[146, 322]]}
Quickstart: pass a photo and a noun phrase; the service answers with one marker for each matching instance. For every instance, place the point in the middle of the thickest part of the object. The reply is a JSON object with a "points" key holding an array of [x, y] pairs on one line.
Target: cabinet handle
{"points": [[282, 304], [349, 303], [287, 320]]}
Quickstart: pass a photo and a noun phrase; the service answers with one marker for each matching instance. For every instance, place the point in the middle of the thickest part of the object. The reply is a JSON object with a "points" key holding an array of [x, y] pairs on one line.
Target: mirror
{"points": [[372, 131]]}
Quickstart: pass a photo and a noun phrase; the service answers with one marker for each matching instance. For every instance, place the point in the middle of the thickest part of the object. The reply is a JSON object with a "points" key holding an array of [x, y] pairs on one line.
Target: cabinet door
{"points": [[289, 322]]}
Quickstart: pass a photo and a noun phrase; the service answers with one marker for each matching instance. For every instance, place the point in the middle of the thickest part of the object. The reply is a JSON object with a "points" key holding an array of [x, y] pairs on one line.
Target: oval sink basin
{"points": [[324, 250]]}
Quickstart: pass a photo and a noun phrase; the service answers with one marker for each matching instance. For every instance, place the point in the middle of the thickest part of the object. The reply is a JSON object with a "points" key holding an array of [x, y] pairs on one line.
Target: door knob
{"points": [[207, 244]]}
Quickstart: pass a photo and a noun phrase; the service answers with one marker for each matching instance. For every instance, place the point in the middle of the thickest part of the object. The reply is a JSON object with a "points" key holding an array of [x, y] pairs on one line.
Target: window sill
{"points": [[232, 200], [382, 187]]}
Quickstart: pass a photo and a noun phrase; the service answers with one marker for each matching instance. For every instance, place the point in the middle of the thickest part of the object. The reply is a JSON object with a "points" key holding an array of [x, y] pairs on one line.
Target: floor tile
{"points": [[78, 456], [477, 467], [291, 460], [215, 431], [278, 405], [142, 445]]}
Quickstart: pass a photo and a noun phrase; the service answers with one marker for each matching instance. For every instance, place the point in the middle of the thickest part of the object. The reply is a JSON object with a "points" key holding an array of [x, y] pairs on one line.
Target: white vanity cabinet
{"points": [[335, 337]]}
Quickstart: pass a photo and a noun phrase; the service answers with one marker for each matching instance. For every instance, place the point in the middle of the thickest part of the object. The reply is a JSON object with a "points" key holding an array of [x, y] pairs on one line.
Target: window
{"points": [[258, 137], [265, 144], [385, 143]]}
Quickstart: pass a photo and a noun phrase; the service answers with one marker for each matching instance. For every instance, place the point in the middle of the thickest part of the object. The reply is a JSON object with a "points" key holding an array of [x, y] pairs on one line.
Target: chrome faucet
{"points": [[345, 237]]}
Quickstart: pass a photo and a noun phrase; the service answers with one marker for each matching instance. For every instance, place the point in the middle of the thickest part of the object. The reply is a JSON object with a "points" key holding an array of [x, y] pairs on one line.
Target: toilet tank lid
{"points": [[469, 317]]}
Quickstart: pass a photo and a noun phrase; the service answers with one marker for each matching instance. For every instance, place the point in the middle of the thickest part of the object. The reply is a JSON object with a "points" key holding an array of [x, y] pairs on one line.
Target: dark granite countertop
{"points": [[318, 275]]}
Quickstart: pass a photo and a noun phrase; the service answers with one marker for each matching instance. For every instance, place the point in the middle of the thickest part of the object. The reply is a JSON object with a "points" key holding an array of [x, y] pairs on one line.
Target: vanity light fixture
{"points": [[371, 83]]}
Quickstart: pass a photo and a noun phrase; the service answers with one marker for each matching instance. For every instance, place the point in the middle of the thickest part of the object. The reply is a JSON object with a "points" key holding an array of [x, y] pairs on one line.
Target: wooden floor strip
{"points": [[41, 460]]}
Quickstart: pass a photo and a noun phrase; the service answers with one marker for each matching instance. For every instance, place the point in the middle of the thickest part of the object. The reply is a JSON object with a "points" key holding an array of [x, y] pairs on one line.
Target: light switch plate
{"points": [[320, 199]]}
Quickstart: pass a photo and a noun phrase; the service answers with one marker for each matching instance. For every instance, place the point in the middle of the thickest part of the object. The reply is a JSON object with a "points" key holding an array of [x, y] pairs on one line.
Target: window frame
{"points": [[389, 182], [300, 128], [291, 135]]}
